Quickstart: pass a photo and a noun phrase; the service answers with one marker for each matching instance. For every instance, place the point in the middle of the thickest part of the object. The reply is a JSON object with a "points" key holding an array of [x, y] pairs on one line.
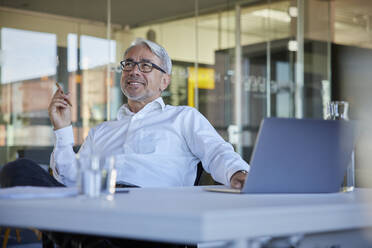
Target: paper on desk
{"points": [[30, 192]]}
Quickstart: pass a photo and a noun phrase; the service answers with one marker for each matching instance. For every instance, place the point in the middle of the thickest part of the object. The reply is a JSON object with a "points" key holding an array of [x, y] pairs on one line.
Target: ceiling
{"points": [[133, 13], [137, 13], [353, 18]]}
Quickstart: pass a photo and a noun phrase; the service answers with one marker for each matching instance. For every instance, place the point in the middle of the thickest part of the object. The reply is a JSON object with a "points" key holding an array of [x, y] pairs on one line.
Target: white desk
{"points": [[191, 215]]}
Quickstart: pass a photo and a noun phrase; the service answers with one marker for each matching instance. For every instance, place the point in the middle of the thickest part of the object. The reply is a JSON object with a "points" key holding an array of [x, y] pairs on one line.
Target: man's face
{"points": [[141, 86]]}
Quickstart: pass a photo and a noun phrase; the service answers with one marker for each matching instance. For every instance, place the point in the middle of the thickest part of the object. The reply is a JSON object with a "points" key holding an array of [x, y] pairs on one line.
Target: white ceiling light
{"points": [[293, 11], [292, 46]]}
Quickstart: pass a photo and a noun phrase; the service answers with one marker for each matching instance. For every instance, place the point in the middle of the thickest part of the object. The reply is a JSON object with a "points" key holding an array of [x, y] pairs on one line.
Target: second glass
{"points": [[338, 110], [96, 179]]}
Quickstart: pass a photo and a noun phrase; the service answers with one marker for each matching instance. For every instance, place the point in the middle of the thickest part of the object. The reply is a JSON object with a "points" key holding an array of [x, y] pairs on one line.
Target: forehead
{"points": [[141, 52]]}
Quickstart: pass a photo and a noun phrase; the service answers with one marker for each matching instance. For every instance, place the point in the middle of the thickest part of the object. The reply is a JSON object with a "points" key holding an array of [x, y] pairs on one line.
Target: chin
{"points": [[135, 98]]}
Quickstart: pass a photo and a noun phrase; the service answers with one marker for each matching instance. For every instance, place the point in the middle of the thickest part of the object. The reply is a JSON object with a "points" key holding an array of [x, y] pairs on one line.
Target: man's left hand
{"points": [[237, 179]]}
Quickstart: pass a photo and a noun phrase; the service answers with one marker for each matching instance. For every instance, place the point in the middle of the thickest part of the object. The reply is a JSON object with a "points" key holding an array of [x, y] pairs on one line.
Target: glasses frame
{"points": [[122, 63]]}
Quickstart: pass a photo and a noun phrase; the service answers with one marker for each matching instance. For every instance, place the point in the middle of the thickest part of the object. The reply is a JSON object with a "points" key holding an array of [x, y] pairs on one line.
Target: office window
{"points": [[28, 71], [27, 55]]}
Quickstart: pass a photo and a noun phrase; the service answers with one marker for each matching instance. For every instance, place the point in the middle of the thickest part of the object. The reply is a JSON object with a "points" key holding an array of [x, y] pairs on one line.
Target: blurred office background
{"points": [[236, 61]]}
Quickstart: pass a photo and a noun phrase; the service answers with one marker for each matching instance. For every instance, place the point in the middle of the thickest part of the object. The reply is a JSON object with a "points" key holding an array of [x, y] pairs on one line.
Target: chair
{"points": [[203, 178], [18, 235], [199, 172], [38, 154]]}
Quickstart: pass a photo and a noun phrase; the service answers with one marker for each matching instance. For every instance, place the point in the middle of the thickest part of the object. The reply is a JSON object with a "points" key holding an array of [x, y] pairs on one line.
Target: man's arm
{"points": [[218, 157], [62, 160]]}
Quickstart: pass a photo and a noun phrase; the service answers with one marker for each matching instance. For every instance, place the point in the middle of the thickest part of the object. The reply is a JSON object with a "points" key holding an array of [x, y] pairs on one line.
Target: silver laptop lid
{"points": [[300, 156]]}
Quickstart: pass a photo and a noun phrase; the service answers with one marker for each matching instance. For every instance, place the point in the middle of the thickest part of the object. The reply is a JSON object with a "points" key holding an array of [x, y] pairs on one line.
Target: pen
{"points": [[60, 88], [121, 191]]}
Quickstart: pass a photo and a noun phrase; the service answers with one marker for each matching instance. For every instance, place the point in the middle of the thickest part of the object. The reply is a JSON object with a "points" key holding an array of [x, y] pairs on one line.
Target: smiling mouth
{"points": [[134, 83]]}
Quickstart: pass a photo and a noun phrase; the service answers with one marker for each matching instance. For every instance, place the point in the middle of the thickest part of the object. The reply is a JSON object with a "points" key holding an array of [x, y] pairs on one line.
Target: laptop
{"points": [[299, 156]]}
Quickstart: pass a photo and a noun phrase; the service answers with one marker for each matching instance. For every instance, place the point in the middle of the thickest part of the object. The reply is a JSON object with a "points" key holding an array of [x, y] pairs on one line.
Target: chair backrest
{"points": [[38, 154], [199, 173]]}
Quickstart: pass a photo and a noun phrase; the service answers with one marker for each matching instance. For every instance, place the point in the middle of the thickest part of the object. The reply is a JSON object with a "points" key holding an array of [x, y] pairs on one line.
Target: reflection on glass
{"points": [[94, 52], [72, 52], [28, 71], [88, 83], [27, 55], [31, 63]]}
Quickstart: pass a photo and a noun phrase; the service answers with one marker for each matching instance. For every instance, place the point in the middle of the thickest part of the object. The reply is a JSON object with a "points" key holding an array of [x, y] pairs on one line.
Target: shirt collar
{"points": [[124, 110]]}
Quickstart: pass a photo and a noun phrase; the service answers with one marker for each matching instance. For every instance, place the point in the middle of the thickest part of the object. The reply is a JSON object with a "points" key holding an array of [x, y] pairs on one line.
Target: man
{"points": [[153, 144]]}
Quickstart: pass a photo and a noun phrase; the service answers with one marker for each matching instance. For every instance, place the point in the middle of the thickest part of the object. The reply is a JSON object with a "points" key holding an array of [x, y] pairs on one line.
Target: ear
{"points": [[165, 81]]}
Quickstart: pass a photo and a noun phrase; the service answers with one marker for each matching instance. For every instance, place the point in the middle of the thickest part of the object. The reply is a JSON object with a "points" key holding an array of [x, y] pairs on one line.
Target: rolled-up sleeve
{"points": [[62, 160], [218, 156]]}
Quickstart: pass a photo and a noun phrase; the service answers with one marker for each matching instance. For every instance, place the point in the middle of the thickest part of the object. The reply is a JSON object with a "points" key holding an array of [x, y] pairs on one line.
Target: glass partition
{"points": [[27, 75], [269, 52], [39, 50]]}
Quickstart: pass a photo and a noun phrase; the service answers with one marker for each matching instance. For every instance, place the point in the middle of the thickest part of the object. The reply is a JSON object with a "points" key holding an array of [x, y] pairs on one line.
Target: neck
{"points": [[136, 106]]}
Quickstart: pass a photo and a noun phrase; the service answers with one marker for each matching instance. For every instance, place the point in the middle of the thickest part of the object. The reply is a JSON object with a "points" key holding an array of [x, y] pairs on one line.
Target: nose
{"points": [[135, 70]]}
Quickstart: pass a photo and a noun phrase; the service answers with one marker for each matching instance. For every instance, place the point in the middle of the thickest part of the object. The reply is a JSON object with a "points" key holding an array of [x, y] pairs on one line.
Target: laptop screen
{"points": [[300, 156]]}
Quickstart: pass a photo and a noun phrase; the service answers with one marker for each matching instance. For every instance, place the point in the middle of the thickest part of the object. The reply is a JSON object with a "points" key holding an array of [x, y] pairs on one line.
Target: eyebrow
{"points": [[146, 60], [142, 60]]}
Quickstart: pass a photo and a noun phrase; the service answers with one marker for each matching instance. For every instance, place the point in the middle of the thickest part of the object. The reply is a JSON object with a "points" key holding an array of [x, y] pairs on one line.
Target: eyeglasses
{"points": [[143, 66]]}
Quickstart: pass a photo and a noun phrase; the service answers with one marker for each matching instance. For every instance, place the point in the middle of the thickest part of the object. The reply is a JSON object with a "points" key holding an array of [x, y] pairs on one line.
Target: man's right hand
{"points": [[60, 109]]}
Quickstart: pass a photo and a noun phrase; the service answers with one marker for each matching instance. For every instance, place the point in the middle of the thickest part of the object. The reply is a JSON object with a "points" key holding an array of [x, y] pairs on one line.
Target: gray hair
{"points": [[156, 49]]}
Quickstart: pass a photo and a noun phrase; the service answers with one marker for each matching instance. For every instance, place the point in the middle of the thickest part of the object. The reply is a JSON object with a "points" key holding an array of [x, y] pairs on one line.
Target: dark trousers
{"points": [[25, 172]]}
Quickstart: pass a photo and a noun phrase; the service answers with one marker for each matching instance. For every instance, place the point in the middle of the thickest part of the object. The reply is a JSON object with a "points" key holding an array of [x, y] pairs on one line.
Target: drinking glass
{"points": [[108, 176], [95, 179], [91, 178], [338, 110]]}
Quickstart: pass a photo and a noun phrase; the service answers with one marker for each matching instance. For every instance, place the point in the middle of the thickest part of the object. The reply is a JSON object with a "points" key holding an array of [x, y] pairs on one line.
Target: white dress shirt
{"points": [[158, 146]]}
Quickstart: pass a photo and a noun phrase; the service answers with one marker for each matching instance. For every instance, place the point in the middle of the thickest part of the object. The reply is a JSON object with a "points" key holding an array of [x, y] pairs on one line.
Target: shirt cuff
{"points": [[64, 136]]}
